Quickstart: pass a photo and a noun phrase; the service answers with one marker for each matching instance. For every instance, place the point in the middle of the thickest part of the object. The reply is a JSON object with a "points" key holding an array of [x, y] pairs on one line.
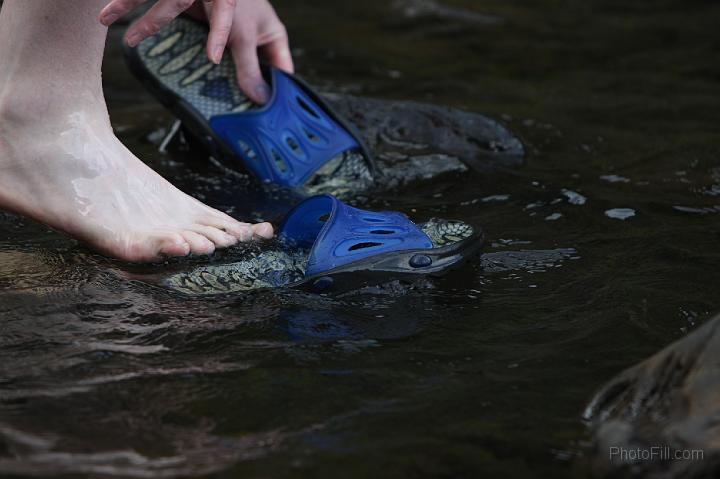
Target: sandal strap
{"points": [[338, 234], [288, 139]]}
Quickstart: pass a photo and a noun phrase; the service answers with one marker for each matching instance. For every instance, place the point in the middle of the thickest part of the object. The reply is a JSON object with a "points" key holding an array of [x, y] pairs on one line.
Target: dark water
{"points": [[485, 372]]}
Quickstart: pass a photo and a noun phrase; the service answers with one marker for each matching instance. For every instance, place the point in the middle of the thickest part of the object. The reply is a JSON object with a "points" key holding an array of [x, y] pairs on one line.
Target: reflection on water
{"points": [[483, 371]]}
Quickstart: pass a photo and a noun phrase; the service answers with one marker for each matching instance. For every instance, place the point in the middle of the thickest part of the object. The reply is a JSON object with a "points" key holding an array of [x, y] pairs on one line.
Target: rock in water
{"points": [[406, 135], [670, 402], [410, 142]]}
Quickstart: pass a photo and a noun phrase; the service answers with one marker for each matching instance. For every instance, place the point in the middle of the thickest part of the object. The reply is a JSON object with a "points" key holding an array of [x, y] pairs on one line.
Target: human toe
{"points": [[199, 244], [242, 231], [263, 230], [221, 238]]}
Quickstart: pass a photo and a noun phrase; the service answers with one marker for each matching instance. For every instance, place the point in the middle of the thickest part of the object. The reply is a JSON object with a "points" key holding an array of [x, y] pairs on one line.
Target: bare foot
{"points": [[68, 170]]}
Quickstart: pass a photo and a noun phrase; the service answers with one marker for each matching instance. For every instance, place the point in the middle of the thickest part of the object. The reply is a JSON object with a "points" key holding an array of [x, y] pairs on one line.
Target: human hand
{"points": [[244, 25]]}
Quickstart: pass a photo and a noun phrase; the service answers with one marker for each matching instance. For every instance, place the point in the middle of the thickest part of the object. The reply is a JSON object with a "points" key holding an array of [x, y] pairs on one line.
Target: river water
{"points": [[601, 249]]}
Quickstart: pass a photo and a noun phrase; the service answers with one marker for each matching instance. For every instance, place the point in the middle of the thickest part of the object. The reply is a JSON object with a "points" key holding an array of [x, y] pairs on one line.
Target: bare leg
{"points": [[60, 162]]}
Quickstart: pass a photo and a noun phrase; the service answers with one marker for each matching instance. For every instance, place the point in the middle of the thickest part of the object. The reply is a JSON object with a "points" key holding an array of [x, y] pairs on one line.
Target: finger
{"points": [[162, 13], [277, 52], [116, 9], [197, 10], [221, 21], [249, 78]]}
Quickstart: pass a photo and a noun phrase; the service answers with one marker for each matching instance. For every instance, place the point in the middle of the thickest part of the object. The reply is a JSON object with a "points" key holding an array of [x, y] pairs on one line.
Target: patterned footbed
{"points": [[176, 56], [275, 267]]}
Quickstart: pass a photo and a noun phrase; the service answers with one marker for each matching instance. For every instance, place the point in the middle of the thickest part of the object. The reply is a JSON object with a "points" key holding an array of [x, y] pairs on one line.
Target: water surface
{"points": [[602, 249]]}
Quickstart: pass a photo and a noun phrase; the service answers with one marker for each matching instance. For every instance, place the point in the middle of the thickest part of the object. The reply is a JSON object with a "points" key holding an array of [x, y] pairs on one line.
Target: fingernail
{"points": [[217, 53], [109, 18], [262, 93], [133, 40]]}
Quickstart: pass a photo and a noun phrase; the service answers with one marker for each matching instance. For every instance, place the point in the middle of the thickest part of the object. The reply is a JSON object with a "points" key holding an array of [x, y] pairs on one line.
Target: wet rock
{"points": [[413, 142], [620, 213], [534, 261], [406, 129], [664, 413]]}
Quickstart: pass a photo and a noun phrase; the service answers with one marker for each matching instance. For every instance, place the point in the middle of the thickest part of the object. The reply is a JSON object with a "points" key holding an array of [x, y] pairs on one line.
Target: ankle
{"points": [[21, 105]]}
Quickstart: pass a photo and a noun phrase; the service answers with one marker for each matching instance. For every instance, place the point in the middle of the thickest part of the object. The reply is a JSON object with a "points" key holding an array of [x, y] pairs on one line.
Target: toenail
{"points": [[264, 229]]}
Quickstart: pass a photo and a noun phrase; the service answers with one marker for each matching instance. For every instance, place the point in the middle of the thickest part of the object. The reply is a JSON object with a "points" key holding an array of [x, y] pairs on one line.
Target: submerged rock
{"points": [[413, 9], [661, 418]]}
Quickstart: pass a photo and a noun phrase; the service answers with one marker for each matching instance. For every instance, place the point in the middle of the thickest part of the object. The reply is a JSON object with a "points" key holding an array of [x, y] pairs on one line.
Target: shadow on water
{"points": [[601, 249]]}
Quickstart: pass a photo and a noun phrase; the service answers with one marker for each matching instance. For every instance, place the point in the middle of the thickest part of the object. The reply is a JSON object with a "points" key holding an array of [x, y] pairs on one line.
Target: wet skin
{"points": [[61, 162], [483, 373]]}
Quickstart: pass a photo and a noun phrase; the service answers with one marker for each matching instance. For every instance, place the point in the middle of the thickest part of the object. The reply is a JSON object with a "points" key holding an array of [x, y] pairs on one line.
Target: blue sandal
{"points": [[325, 245], [299, 140], [294, 140]]}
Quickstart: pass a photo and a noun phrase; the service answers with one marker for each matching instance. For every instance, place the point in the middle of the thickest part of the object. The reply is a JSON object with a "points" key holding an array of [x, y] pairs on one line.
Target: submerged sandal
{"points": [[298, 140], [325, 245], [293, 141]]}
